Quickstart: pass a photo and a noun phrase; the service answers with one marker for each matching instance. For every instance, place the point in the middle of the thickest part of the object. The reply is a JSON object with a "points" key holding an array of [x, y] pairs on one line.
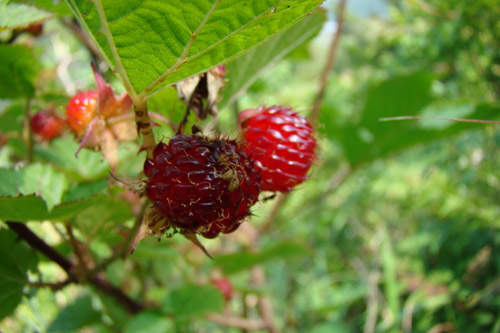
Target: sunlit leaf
{"points": [[153, 43], [244, 70], [20, 15], [33, 208]]}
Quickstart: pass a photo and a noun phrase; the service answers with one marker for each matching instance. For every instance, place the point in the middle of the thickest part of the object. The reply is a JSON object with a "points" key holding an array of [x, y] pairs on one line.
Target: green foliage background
{"points": [[395, 231]]}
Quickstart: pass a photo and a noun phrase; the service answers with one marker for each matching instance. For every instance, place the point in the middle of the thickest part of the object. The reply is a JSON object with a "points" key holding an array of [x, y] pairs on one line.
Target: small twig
{"points": [[441, 118], [236, 322], [330, 62], [76, 246], [280, 201], [98, 281], [266, 310], [339, 176], [54, 286], [371, 302], [184, 120]]}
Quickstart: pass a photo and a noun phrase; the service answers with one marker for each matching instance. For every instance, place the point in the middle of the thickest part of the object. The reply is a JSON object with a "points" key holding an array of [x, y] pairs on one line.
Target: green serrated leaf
{"points": [[149, 322], [101, 218], [88, 166], [19, 15], [19, 69], [151, 44], [33, 208], [86, 190], [54, 6], [16, 259], [75, 316], [45, 181], [191, 301], [243, 71], [39, 179]]}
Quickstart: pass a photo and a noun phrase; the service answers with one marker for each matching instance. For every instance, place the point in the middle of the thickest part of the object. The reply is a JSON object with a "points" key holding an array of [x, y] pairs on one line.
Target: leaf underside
{"points": [[152, 43]]}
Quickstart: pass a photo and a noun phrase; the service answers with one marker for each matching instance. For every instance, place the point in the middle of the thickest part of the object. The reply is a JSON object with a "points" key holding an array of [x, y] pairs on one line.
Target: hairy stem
{"points": [[330, 62], [144, 126]]}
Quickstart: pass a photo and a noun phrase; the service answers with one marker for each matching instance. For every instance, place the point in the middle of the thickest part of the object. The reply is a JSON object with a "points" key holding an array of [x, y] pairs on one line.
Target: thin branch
{"points": [[266, 310], [99, 281], [330, 62], [371, 302], [76, 246], [236, 322], [54, 286], [463, 120], [280, 201]]}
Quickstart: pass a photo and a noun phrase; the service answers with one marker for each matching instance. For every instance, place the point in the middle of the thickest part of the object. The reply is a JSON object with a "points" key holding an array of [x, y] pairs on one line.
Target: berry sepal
{"points": [[87, 115]]}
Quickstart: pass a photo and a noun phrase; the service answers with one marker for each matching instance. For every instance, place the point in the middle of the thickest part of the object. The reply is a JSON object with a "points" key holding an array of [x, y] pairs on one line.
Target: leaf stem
{"points": [[140, 105], [144, 126]]}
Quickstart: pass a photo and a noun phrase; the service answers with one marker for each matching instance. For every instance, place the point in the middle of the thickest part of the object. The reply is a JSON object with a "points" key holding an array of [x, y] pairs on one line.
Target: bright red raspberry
{"points": [[201, 185], [47, 125], [282, 144], [81, 110], [225, 287]]}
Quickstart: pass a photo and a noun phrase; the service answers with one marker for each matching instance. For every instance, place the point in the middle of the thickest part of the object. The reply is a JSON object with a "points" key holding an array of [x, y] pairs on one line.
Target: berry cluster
{"points": [[207, 186]]}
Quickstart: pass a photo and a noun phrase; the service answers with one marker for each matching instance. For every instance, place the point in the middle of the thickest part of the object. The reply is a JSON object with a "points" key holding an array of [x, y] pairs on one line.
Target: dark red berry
{"points": [[35, 29], [81, 110], [47, 125], [282, 144], [225, 287], [201, 185]]}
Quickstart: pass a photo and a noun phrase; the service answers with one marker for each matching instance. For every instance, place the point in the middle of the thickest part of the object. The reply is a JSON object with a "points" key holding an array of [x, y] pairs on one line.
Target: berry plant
{"points": [[230, 166]]}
